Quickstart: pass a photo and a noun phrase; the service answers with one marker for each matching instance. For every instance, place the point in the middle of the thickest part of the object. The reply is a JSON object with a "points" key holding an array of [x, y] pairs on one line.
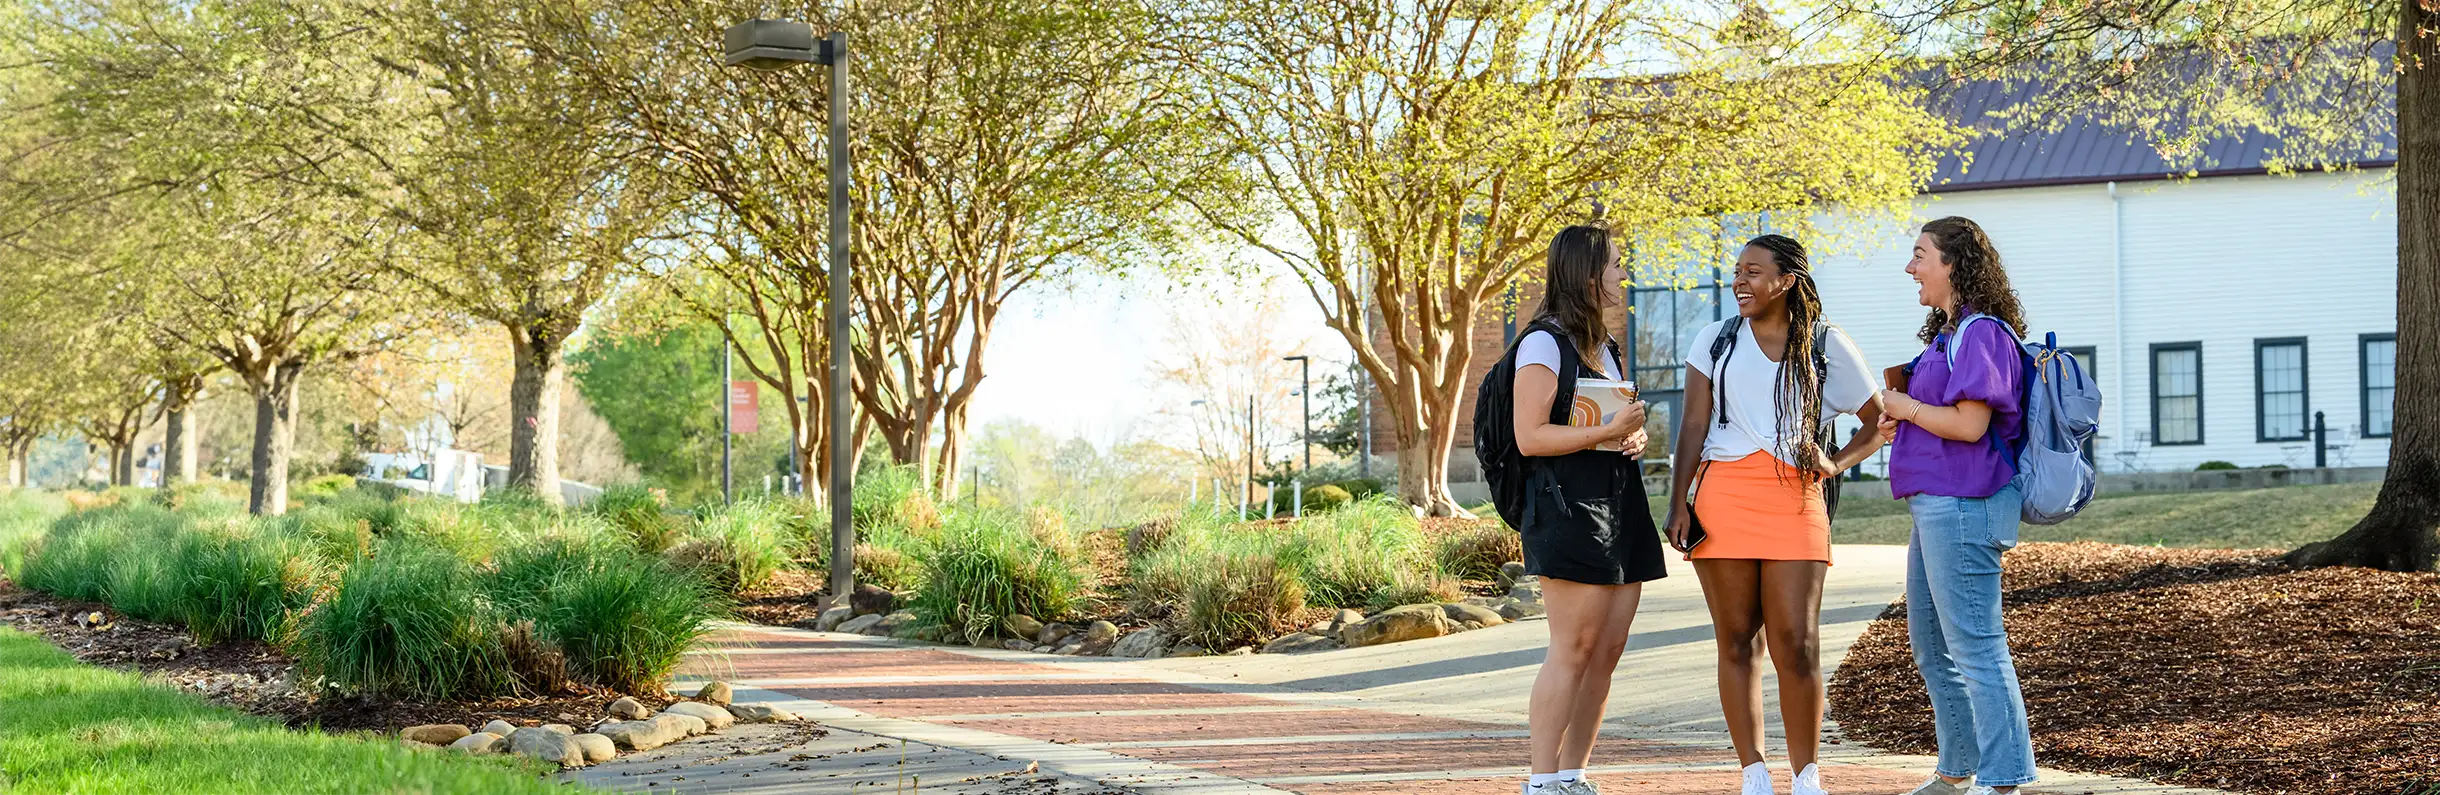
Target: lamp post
{"points": [[1306, 391], [772, 45]]}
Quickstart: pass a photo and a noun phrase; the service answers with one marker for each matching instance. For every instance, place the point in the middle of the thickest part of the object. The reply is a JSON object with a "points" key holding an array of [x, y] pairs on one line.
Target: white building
{"points": [[2220, 312]]}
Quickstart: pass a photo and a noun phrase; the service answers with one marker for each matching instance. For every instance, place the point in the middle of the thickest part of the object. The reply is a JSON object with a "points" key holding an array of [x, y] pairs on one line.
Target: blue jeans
{"points": [[1952, 619]]}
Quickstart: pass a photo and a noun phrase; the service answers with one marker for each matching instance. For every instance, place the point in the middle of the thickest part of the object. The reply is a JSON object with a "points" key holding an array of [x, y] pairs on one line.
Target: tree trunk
{"points": [[533, 408], [275, 433], [16, 467], [123, 463], [2402, 533], [179, 443]]}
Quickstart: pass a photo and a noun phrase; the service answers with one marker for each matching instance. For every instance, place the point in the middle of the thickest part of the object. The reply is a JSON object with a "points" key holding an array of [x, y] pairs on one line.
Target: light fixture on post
{"points": [[772, 45]]}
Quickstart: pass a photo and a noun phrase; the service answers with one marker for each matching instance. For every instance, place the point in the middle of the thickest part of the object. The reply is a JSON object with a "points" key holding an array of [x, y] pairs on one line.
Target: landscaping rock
{"points": [[1527, 588], [714, 718], [1069, 650], [561, 729], [761, 713], [1477, 615], [894, 623], [641, 735], [1345, 617], [629, 709], [1403, 623], [500, 727], [861, 623], [1146, 642], [478, 743], [435, 734], [832, 618], [1022, 626], [1299, 643], [596, 748], [869, 599], [1053, 634], [546, 745], [1099, 636], [1241, 651], [1511, 572], [681, 726], [1519, 610], [714, 693], [1013, 644], [1188, 650], [1042, 649]]}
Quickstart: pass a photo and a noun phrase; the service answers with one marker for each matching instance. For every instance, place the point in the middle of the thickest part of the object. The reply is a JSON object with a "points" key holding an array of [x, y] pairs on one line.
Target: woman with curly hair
{"points": [[1957, 420]]}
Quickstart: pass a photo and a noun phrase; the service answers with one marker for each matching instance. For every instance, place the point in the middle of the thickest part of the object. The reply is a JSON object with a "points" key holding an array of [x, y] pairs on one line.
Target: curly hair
{"points": [[1975, 275]]}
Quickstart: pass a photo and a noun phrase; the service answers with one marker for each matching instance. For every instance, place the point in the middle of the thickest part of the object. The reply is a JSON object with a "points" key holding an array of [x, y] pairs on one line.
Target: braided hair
{"points": [[1975, 275], [1796, 395]]}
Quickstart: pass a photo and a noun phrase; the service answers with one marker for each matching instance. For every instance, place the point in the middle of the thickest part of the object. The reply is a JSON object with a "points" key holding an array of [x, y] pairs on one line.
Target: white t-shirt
{"points": [[1753, 378], [1543, 349]]}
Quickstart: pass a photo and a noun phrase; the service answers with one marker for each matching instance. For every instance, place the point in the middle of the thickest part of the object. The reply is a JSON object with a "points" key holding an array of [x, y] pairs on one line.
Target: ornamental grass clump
{"points": [[411, 621], [985, 566], [1367, 555], [1477, 552], [737, 547], [1244, 594], [642, 513]]}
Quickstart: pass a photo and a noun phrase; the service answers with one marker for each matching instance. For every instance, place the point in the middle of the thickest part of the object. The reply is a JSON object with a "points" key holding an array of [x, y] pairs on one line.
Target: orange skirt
{"points": [[1759, 508]]}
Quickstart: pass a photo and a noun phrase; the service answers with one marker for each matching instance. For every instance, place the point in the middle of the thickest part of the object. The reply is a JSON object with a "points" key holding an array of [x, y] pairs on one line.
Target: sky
{"points": [[1078, 359]]}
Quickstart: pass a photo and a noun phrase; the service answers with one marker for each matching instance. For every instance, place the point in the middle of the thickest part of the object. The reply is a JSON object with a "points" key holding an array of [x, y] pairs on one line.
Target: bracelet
{"points": [[1918, 412]]}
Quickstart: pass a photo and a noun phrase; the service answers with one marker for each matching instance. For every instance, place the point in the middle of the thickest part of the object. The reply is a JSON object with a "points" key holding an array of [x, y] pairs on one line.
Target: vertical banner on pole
{"points": [[745, 406]]}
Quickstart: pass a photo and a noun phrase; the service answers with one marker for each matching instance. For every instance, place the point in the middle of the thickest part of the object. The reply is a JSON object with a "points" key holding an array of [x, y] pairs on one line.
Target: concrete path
{"points": [[1429, 717]]}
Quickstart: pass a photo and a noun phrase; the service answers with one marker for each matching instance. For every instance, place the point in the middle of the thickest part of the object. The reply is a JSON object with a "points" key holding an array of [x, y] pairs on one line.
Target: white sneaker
{"points": [[1941, 786], [1757, 780], [1982, 790], [1809, 781], [1582, 786]]}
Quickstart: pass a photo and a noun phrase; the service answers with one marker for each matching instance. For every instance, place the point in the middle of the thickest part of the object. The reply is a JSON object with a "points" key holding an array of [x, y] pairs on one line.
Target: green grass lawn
{"points": [[2280, 518], [70, 727]]}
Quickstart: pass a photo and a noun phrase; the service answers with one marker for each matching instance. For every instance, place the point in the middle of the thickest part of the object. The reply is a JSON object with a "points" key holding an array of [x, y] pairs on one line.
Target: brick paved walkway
{"points": [[1150, 730]]}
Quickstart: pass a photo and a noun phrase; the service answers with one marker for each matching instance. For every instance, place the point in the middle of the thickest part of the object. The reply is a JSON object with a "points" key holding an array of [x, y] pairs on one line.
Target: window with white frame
{"points": [[2282, 411], [2177, 393], [2378, 355]]}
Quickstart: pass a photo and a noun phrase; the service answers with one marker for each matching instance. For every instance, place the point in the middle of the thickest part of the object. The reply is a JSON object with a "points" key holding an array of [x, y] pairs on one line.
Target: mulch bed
{"points": [[2210, 668], [260, 678]]}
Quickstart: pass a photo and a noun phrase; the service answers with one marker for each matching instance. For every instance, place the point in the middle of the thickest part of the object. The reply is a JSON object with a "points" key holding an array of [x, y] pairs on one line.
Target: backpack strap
{"points": [[1723, 347], [1821, 371], [1958, 337], [1571, 365]]}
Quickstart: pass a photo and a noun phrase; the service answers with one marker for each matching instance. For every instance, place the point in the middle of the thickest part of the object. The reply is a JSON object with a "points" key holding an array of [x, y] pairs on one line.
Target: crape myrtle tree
{"points": [[217, 125], [1412, 158], [999, 145], [2334, 82]]}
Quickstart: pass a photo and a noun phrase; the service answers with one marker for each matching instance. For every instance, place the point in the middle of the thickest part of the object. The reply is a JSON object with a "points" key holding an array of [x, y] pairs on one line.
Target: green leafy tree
{"points": [[2333, 82], [1412, 158], [660, 393]]}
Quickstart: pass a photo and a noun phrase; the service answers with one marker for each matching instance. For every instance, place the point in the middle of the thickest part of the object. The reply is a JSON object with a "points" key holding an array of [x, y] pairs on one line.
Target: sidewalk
{"points": [[1434, 717]]}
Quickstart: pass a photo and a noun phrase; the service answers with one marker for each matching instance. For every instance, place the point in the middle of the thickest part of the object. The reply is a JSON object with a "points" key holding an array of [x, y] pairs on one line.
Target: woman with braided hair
{"points": [[1957, 420], [1752, 449]]}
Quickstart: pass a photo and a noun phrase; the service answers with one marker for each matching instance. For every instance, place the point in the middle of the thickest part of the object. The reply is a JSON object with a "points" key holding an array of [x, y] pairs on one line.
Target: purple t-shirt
{"points": [[1989, 368]]}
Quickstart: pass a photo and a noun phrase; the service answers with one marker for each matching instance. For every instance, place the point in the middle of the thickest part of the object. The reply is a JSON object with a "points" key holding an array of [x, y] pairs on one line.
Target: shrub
{"points": [[1244, 595], [986, 566], [1361, 488], [246, 580], [1326, 497], [2214, 466], [642, 513], [1360, 555], [325, 486], [894, 495], [1142, 539], [410, 621], [888, 567], [623, 620], [737, 547], [1476, 552]]}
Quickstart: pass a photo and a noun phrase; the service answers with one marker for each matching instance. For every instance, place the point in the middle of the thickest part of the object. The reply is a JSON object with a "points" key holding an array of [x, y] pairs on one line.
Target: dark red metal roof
{"points": [[2083, 151]]}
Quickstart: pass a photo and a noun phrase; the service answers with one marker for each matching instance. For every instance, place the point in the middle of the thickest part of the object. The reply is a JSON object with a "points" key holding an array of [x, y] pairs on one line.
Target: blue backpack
{"points": [[2062, 412]]}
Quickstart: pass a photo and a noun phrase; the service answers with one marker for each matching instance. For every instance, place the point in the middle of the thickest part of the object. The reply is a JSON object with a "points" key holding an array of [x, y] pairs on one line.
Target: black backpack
{"points": [[1495, 444], [1827, 435]]}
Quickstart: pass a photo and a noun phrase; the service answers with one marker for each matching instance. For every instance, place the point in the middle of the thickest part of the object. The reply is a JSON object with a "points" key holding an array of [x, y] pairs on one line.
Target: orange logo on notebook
{"points": [[1585, 413]]}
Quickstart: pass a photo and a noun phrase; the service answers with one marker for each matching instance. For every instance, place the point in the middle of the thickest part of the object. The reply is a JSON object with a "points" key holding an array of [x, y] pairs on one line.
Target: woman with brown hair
{"points": [[1957, 421], [1587, 532]]}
